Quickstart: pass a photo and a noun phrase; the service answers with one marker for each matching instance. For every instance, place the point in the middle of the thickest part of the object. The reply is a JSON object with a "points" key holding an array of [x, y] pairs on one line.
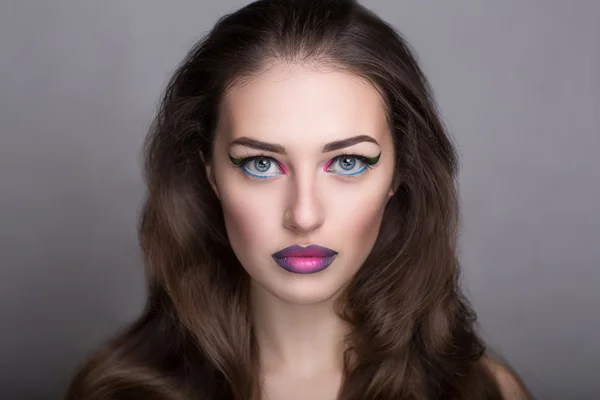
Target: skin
{"points": [[309, 202], [510, 384], [303, 202]]}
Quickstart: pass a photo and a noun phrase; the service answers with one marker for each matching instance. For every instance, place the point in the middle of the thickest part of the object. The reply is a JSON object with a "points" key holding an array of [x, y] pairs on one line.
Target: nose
{"points": [[304, 212]]}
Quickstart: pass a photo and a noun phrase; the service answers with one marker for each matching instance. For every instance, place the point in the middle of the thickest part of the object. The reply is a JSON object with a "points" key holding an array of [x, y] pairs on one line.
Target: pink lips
{"points": [[304, 260]]}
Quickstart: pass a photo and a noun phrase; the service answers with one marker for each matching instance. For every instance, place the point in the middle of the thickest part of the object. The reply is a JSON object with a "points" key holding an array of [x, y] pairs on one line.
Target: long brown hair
{"points": [[413, 332]]}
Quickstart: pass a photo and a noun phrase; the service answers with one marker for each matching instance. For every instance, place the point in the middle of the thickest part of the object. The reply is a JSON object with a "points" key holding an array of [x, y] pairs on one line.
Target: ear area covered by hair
{"points": [[210, 175], [395, 185]]}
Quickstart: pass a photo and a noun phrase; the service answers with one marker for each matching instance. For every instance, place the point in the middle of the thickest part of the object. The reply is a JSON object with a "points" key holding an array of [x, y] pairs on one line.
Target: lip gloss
{"points": [[304, 260]]}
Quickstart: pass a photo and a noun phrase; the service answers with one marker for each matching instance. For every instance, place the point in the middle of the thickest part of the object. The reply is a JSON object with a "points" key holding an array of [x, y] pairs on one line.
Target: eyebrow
{"points": [[279, 149]]}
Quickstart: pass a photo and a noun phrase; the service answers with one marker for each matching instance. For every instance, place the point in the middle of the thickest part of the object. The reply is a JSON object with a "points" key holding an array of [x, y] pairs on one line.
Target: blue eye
{"points": [[260, 167], [264, 167], [350, 165]]}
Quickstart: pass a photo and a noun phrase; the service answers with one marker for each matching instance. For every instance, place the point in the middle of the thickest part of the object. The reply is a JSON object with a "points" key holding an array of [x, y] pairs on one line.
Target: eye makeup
{"points": [[243, 163], [246, 164], [368, 162]]}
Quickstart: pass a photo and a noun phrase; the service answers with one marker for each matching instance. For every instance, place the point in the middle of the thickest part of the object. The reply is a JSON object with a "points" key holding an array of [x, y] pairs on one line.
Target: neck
{"points": [[297, 340]]}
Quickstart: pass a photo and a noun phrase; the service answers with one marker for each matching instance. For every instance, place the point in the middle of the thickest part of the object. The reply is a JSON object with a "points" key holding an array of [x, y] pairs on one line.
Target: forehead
{"points": [[288, 103]]}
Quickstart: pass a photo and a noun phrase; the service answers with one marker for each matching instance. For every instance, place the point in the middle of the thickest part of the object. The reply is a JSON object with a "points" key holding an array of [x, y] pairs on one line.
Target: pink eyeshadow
{"points": [[282, 167]]}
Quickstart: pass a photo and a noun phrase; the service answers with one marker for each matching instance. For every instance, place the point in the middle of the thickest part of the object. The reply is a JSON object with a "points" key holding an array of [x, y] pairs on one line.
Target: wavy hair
{"points": [[413, 333]]}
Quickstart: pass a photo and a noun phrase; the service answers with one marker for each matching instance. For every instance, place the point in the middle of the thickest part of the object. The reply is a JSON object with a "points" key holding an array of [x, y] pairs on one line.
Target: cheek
{"points": [[249, 219], [368, 220], [357, 216]]}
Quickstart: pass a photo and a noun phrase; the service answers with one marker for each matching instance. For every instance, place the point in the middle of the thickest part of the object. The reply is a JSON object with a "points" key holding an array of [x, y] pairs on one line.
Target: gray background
{"points": [[518, 86]]}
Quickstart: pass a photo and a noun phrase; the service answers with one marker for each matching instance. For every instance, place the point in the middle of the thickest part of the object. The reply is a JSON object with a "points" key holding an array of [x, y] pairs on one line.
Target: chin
{"points": [[304, 290]]}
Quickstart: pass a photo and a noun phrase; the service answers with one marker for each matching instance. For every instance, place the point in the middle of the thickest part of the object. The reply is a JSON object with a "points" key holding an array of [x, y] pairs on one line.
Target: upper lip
{"points": [[312, 250]]}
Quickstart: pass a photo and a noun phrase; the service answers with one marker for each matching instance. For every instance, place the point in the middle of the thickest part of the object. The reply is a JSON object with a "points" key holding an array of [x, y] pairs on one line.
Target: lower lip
{"points": [[304, 265]]}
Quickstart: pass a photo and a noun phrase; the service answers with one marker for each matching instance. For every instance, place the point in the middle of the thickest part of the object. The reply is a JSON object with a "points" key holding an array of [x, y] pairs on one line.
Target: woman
{"points": [[300, 226]]}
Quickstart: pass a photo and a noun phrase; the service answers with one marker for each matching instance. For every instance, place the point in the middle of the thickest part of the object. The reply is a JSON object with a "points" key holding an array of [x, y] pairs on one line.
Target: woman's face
{"points": [[303, 157]]}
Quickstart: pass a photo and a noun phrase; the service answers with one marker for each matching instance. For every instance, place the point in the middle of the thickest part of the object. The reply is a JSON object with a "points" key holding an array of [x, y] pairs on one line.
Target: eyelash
{"points": [[242, 161]]}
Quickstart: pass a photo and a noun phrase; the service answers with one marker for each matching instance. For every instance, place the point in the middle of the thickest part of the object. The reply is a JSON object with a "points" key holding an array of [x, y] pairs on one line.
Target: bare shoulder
{"points": [[511, 386]]}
